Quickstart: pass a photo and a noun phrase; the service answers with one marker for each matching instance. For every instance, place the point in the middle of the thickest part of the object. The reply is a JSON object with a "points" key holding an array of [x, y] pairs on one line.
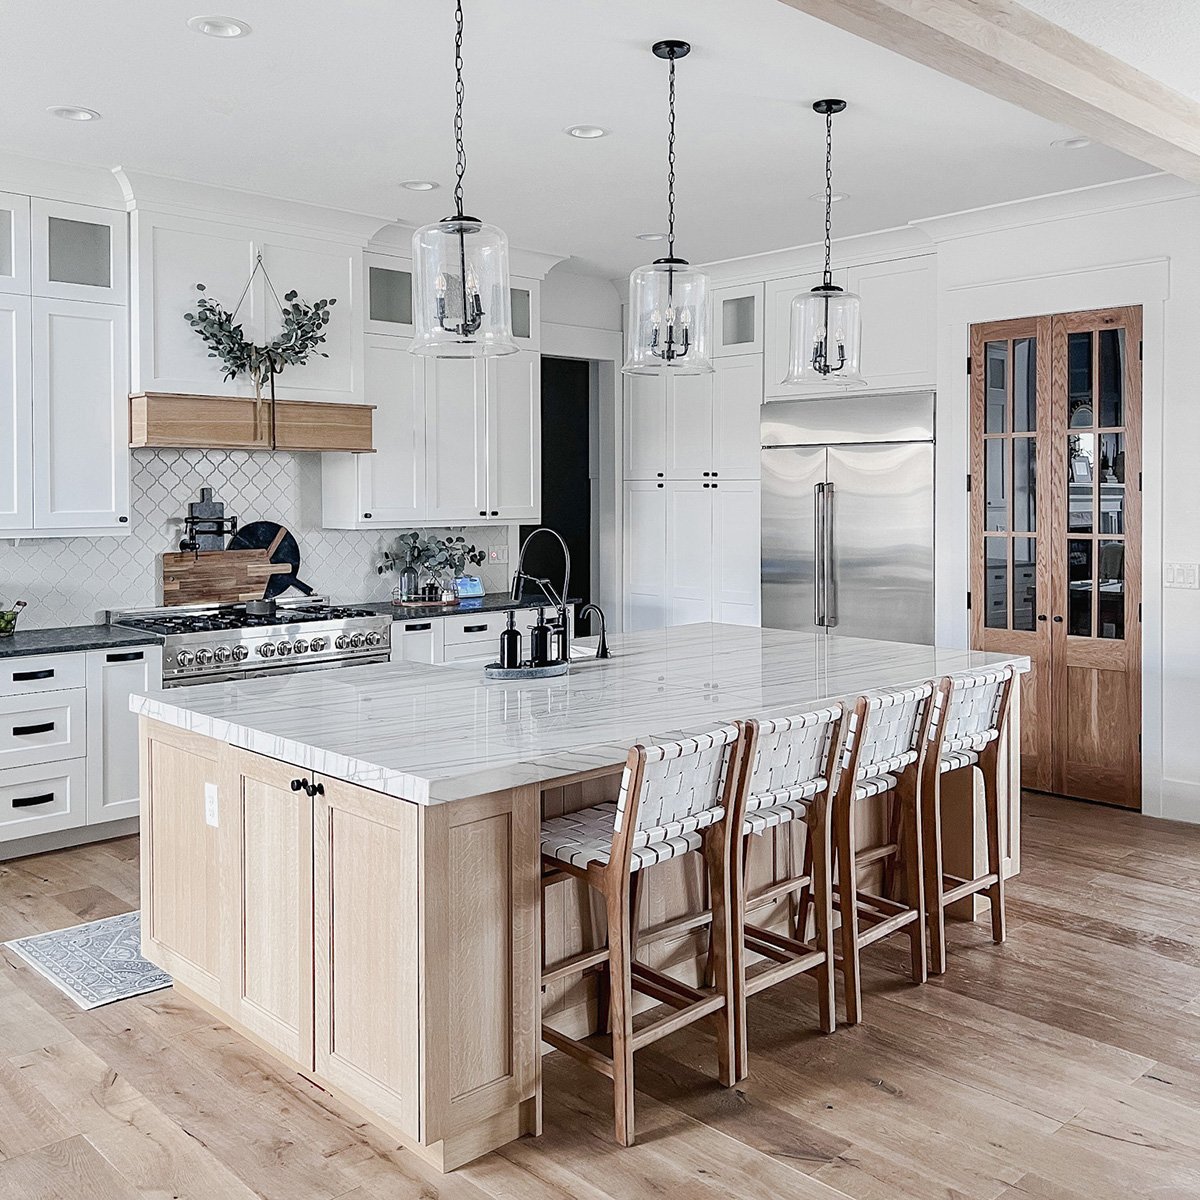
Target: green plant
{"points": [[303, 331], [433, 554]]}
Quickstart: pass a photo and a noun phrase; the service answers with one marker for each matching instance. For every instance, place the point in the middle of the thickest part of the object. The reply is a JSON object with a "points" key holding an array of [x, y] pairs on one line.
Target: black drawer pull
{"points": [[418, 628], [30, 801], [30, 730], [132, 656], [475, 629], [26, 676]]}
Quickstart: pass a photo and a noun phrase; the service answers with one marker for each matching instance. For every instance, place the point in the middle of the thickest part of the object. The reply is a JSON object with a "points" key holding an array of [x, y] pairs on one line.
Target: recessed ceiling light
{"points": [[419, 185], [586, 131], [652, 237], [219, 27], [1071, 143], [69, 112], [834, 197]]}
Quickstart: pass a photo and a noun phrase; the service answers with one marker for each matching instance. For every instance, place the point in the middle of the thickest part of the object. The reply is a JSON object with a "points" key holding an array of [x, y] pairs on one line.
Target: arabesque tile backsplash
{"points": [[70, 581]]}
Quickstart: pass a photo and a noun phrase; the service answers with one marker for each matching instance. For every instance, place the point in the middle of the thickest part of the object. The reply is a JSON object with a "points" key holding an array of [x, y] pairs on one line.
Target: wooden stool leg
{"points": [[818, 845], [908, 801], [807, 894], [603, 982], [848, 907], [724, 927], [737, 908], [989, 762], [621, 1004], [931, 828]]}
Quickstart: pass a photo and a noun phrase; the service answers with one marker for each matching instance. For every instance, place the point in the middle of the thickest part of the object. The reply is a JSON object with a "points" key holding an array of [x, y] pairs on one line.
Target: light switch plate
{"points": [[1181, 575], [210, 804], [498, 555]]}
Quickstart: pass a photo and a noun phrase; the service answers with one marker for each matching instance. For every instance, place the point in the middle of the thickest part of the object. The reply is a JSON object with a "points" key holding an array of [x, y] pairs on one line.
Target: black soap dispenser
{"points": [[539, 641], [510, 644]]}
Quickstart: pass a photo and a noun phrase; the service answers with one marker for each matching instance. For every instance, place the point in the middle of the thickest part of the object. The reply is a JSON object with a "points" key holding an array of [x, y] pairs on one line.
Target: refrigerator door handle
{"points": [[828, 597], [819, 554]]}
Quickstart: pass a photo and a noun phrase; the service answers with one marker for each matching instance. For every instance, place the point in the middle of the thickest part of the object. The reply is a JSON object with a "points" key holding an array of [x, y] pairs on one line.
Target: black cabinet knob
{"points": [[1041, 616], [483, 512], [366, 516], [495, 513], [1058, 620], [123, 520], [297, 784]]}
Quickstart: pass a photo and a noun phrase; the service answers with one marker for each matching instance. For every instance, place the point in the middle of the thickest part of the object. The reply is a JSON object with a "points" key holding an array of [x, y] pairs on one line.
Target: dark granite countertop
{"points": [[490, 602], [71, 638]]}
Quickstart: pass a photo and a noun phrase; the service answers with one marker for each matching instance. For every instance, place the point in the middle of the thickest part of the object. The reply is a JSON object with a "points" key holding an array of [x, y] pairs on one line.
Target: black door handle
{"points": [[30, 801], [418, 628], [474, 629], [27, 676], [30, 730], [132, 656]]}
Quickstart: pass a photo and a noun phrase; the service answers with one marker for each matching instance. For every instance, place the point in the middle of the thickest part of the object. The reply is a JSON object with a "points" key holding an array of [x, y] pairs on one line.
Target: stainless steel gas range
{"points": [[213, 643]]}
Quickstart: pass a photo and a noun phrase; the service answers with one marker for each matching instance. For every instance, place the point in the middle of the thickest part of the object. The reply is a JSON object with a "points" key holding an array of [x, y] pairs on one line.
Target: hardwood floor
{"points": [[1064, 1065]]}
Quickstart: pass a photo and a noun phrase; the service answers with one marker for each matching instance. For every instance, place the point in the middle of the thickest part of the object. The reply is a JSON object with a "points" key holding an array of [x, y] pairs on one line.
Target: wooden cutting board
{"points": [[219, 576]]}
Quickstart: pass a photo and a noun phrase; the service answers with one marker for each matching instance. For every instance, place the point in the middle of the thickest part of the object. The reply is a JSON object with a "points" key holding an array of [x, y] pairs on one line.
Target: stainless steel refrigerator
{"points": [[847, 516]]}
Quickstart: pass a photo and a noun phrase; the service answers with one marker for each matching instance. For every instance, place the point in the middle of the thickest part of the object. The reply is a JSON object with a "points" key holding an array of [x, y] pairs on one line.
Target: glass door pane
{"points": [[737, 321], [80, 252], [390, 295]]}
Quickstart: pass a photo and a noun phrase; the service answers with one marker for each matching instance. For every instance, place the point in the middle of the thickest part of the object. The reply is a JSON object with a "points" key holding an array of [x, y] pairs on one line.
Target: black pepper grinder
{"points": [[510, 644], [539, 641]]}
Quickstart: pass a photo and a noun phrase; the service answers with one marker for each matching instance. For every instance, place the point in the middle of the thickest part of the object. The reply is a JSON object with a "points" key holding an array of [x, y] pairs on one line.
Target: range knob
{"points": [[222, 654], [267, 650], [356, 640], [240, 654], [341, 642], [300, 646], [204, 656], [284, 649], [318, 644], [185, 658], [374, 639]]}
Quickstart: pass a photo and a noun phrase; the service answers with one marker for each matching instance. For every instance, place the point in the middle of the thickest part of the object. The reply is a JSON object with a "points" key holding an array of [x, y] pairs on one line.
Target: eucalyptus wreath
{"points": [[303, 331]]}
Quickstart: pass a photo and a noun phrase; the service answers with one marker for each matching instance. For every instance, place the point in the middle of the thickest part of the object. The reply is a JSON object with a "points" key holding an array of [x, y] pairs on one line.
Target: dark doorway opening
{"points": [[566, 475]]}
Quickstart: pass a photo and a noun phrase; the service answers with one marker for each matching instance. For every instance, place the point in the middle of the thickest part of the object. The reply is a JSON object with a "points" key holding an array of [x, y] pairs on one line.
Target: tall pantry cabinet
{"points": [[692, 493]]}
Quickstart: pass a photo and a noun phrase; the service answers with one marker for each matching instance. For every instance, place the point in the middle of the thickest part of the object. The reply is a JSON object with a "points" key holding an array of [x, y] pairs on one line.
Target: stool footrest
{"points": [[680, 925], [662, 987], [680, 1019], [778, 890], [864, 858], [965, 887], [577, 964], [588, 1055]]}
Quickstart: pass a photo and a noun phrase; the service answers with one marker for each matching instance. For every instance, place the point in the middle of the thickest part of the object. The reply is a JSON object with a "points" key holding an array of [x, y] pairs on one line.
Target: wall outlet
{"points": [[498, 555], [210, 804], [1181, 575]]}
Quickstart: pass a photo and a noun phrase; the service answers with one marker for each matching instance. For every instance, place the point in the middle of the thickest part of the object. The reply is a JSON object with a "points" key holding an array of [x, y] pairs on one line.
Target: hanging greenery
{"points": [[432, 554]]}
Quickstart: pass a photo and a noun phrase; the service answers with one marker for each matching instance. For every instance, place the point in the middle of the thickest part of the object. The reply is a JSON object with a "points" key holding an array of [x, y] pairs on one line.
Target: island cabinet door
{"points": [[266, 884], [366, 950]]}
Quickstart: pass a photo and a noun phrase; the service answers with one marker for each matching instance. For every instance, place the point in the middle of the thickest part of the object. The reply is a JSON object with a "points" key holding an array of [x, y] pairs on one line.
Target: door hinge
{"points": [[968, 601], [968, 365], [1139, 481], [1139, 614], [968, 483], [1139, 350]]}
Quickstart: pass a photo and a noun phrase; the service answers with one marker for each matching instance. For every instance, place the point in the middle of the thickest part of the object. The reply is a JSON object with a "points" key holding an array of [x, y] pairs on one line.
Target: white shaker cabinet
{"points": [[16, 413], [14, 243], [387, 488], [899, 322], [113, 782], [736, 422], [645, 543], [736, 566], [455, 440], [514, 437], [645, 426], [688, 552], [81, 418]]}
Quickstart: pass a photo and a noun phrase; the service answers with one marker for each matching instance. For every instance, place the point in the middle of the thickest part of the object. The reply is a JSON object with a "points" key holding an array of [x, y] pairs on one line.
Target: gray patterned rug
{"points": [[95, 963]]}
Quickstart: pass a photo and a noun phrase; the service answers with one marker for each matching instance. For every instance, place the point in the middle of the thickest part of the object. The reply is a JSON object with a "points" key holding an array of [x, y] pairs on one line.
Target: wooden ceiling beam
{"points": [[1002, 48]]}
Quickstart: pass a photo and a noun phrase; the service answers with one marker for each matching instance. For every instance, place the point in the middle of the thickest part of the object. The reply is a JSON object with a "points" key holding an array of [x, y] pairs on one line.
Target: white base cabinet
{"points": [[458, 637]]}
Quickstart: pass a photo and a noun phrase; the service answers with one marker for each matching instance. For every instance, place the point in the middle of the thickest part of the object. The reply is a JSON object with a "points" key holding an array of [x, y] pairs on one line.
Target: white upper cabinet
{"points": [[79, 252], [81, 416], [389, 295], [779, 296], [737, 315], [16, 413], [737, 404], [455, 440], [645, 426], [899, 322], [14, 243], [514, 437], [689, 426]]}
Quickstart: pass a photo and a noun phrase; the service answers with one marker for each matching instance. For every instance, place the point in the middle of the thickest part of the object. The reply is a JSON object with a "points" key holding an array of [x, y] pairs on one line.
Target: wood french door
{"points": [[1056, 539]]}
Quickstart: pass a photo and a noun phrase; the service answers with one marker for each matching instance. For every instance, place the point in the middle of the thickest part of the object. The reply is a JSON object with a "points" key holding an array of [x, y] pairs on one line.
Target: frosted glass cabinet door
{"points": [[737, 320], [16, 414], [79, 252], [14, 243], [81, 421], [389, 309]]}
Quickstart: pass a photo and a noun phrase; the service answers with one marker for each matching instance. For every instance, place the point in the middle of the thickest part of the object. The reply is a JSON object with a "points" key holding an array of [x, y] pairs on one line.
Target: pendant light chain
{"points": [[459, 91], [827, 280], [671, 165]]}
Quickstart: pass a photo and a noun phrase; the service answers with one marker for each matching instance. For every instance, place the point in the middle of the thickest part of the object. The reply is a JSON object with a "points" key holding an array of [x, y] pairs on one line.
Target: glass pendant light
{"points": [[826, 329], [668, 308], [462, 305]]}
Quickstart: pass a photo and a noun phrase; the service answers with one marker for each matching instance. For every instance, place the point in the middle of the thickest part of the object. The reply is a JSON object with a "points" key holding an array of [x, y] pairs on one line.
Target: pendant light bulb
{"points": [[462, 304], [668, 299], [826, 324]]}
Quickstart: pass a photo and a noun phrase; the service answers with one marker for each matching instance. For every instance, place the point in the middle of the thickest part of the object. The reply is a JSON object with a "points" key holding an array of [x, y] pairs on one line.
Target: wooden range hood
{"points": [[163, 420]]}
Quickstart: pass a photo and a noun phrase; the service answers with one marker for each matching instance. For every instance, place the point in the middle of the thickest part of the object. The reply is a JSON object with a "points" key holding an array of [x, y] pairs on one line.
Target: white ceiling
{"points": [[1161, 38], [337, 103]]}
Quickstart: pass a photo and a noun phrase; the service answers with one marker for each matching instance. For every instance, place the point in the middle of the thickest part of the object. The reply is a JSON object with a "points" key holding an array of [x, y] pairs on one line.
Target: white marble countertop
{"points": [[435, 734]]}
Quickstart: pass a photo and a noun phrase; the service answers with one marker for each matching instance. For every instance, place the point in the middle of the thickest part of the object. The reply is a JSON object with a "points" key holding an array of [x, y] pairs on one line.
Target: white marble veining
{"points": [[436, 734]]}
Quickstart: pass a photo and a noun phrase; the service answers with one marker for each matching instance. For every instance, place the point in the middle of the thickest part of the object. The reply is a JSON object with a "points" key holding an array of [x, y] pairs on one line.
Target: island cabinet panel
{"points": [[181, 929], [266, 884], [365, 944]]}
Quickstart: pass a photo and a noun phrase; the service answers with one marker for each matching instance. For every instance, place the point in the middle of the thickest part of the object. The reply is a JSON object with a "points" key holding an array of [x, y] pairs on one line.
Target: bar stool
{"points": [[675, 798], [786, 777], [881, 756], [967, 716]]}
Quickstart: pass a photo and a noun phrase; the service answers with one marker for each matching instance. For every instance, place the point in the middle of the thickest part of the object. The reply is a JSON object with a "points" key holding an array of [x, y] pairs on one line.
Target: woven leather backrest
{"points": [[891, 733], [969, 713], [682, 785], [791, 761]]}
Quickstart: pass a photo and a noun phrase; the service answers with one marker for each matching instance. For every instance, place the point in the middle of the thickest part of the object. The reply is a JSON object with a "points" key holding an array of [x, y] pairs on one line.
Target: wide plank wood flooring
{"points": [[1064, 1065]]}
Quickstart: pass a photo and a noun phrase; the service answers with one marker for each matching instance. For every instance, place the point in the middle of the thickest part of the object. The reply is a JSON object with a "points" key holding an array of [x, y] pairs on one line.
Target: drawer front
{"points": [[41, 673], [485, 627], [481, 652], [40, 729], [42, 798]]}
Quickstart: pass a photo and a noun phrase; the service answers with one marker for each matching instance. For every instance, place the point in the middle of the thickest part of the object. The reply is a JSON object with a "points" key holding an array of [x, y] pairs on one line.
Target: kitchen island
{"points": [[344, 865]]}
